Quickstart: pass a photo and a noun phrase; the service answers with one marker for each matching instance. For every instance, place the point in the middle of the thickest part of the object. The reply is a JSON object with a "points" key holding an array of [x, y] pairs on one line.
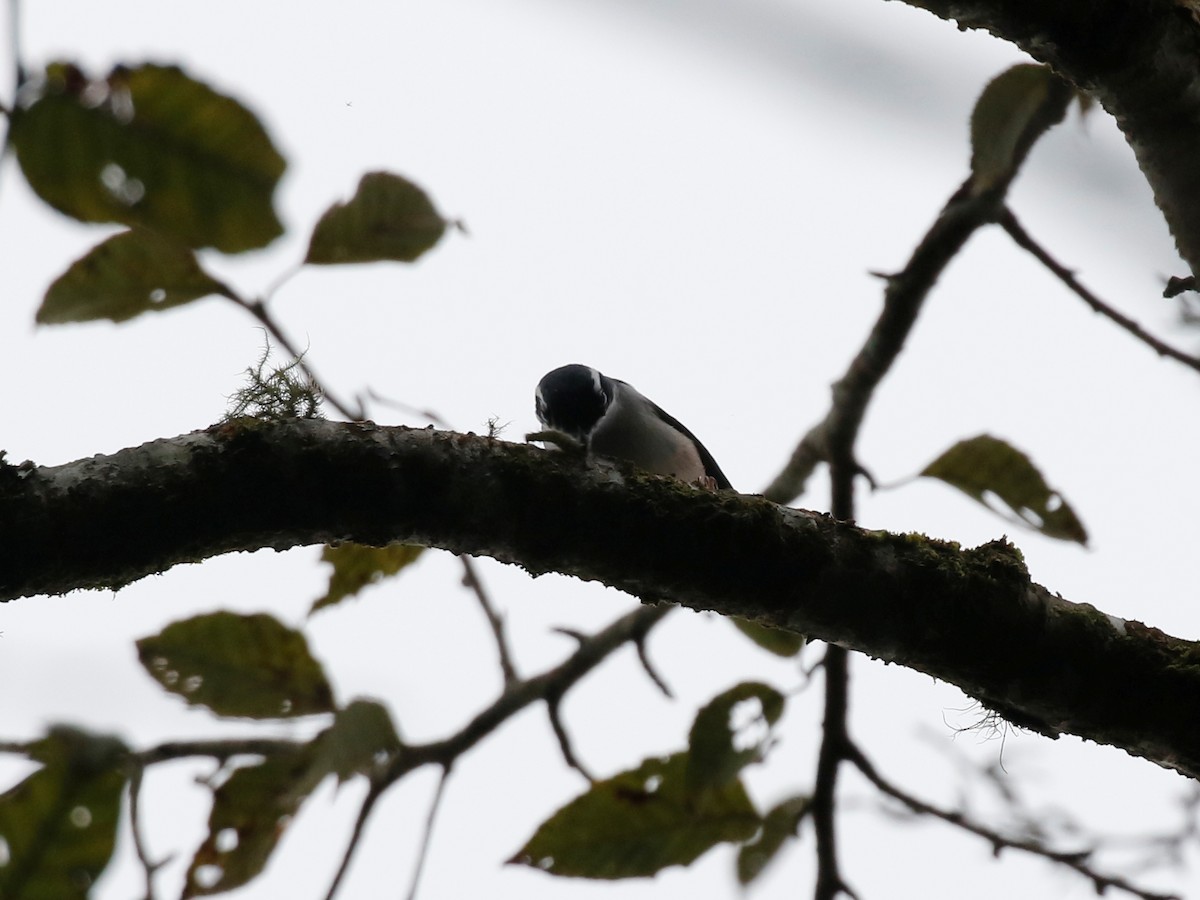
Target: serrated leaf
{"points": [[638, 823], [388, 218], [151, 146], [238, 665], [781, 823], [1014, 110], [58, 826], [779, 641], [130, 273], [250, 812], [360, 734], [718, 747], [355, 566], [984, 467]]}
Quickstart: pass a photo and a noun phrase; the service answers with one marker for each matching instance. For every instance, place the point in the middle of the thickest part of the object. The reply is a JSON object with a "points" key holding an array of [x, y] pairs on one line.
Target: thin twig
{"points": [[495, 620], [221, 750], [373, 794], [522, 693], [639, 642], [553, 710], [1077, 861], [135, 827], [427, 837], [1021, 237], [400, 405]]}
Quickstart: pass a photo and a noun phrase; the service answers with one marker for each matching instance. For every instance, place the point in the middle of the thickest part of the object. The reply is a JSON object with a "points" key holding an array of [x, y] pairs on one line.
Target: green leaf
{"points": [[779, 641], [250, 812], [59, 825], [151, 146], [130, 273], [388, 218], [238, 666], [1013, 111], [984, 467], [779, 824], [637, 823], [355, 566], [361, 733], [719, 748]]}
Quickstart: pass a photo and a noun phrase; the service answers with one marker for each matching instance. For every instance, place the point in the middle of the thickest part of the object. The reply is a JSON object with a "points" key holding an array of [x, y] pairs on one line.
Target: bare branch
{"points": [[1076, 860], [1009, 223], [472, 581], [423, 854]]}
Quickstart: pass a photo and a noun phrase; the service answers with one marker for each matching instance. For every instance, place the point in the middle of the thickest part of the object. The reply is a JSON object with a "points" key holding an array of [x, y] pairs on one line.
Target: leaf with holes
{"points": [[1014, 110], [984, 467], [355, 566], [639, 822], [130, 273], [781, 823], [720, 746], [58, 826], [238, 665], [151, 146], [388, 218], [250, 812]]}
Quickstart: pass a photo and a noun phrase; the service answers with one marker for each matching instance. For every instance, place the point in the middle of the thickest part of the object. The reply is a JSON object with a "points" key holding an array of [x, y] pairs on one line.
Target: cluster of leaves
{"points": [[59, 823], [182, 167]]}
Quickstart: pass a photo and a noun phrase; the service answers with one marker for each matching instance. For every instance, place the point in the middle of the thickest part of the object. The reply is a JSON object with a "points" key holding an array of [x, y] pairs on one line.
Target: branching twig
{"points": [[1078, 861], [903, 299], [1010, 224], [522, 693]]}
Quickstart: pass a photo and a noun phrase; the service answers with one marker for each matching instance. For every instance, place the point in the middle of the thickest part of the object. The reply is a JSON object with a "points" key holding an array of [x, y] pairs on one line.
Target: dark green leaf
{"points": [[59, 825], [250, 812], [128, 274], [719, 748], [356, 565], [151, 146], [238, 666], [780, 823], [360, 734], [638, 823], [1013, 111], [388, 218], [985, 467], [779, 641]]}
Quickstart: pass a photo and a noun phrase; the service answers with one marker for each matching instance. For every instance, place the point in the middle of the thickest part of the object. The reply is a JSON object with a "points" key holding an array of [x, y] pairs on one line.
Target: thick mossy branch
{"points": [[971, 617], [1140, 60]]}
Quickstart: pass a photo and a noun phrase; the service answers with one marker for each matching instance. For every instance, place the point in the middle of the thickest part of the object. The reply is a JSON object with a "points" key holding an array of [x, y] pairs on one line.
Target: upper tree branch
{"points": [[969, 617], [1140, 59]]}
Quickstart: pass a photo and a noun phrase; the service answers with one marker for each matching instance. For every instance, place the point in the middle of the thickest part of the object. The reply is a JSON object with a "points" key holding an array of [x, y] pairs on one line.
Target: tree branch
{"points": [[1079, 861], [971, 617], [1141, 61]]}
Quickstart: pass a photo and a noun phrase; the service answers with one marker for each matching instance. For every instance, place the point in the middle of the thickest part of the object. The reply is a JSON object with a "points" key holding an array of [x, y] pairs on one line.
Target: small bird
{"points": [[610, 418]]}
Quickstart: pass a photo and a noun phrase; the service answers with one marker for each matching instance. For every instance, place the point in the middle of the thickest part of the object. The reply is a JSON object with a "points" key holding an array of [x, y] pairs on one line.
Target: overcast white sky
{"points": [[689, 197]]}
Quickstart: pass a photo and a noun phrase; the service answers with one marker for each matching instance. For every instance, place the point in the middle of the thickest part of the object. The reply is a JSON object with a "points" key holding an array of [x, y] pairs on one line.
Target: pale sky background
{"points": [[688, 196]]}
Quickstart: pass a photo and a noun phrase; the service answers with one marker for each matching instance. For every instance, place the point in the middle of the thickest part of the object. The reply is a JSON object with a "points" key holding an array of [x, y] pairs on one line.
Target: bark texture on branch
{"points": [[970, 617], [1140, 59]]}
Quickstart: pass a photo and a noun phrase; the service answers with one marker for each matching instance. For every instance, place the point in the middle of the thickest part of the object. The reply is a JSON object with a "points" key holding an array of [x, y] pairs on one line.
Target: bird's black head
{"points": [[572, 399]]}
